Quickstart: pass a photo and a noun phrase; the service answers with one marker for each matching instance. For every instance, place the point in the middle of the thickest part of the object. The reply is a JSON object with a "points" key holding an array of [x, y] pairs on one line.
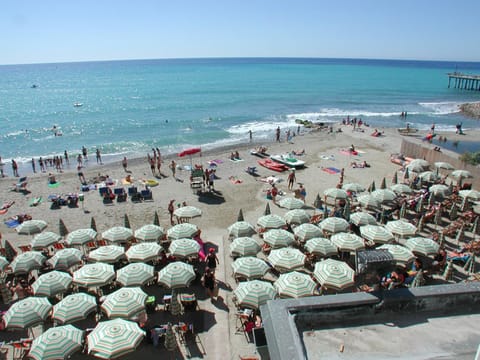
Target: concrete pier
{"points": [[464, 81]]}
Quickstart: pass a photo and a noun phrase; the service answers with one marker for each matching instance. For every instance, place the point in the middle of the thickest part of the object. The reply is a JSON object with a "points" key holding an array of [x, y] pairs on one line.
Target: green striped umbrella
{"points": [[118, 234], [354, 187], [361, 218], [80, 237], [286, 259], [52, 283], [401, 228], [376, 233], [307, 231], [253, 294], [114, 338], [443, 165], [188, 212], [368, 201], [470, 194], [109, 254], [321, 247], [65, 258], [439, 190], [401, 189], [31, 227], [176, 275], [27, 261], [149, 233], [297, 216], [94, 275], [295, 285], [3, 263], [291, 203], [241, 229], [144, 252], [422, 246], [27, 313], [135, 274], [244, 246], [415, 167], [334, 274], [45, 239], [184, 248], [461, 174], [250, 267], [428, 176], [384, 195], [334, 225], [271, 221], [73, 308], [124, 303], [347, 242], [401, 254], [182, 231], [335, 193], [278, 238], [57, 343]]}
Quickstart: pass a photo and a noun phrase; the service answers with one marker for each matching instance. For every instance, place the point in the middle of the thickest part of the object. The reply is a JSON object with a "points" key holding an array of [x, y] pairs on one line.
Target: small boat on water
{"points": [[289, 160], [273, 165], [77, 104]]}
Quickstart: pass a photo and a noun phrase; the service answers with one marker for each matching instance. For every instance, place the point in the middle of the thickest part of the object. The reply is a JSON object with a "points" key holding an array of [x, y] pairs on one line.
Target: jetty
{"points": [[464, 81]]}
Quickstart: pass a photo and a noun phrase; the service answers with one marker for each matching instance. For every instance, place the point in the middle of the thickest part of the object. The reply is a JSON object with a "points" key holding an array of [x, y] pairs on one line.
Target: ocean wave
{"points": [[442, 108], [336, 112]]}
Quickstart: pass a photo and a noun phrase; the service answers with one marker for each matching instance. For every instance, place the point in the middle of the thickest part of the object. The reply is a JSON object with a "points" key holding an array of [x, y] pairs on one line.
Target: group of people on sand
{"points": [[155, 161], [235, 156]]}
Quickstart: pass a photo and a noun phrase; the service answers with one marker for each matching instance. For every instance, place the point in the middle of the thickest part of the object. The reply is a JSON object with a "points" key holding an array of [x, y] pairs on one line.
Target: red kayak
{"points": [[272, 165]]}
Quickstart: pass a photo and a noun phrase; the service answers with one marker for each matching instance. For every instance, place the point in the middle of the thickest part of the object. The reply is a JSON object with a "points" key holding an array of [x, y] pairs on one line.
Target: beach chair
{"points": [[21, 185], [102, 191], [146, 195], [121, 194]]}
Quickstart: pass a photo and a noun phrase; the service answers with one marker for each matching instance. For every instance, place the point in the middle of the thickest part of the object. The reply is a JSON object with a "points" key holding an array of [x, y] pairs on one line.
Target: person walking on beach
{"points": [[98, 156], [15, 168], [152, 164], [212, 260], [41, 163], [124, 163], [159, 165], [274, 193], [33, 166], [277, 134], [291, 179], [79, 160], [250, 135], [171, 209], [84, 153], [209, 283], [173, 167], [1, 168], [65, 155], [432, 128]]}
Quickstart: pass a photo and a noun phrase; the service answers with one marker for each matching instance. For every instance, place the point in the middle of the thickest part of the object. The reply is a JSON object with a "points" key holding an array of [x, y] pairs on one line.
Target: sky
{"points": [[47, 31]]}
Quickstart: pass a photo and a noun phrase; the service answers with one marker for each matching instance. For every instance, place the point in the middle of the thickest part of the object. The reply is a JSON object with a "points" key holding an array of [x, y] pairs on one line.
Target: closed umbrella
{"points": [[286, 259], [149, 233], [317, 202], [321, 247], [372, 187], [31, 227], [241, 229], [335, 193], [244, 246], [93, 224], [377, 234], [361, 218], [65, 258], [250, 267], [27, 313], [80, 237], [52, 283], [384, 195], [73, 308], [295, 285], [383, 185], [334, 225], [297, 217], [27, 261], [240, 215], [44, 240], [94, 275], [253, 294], [62, 229], [401, 254], [354, 187], [156, 219], [118, 234], [57, 343], [347, 242], [124, 303], [334, 274], [401, 228], [267, 209], [271, 221], [368, 201], [422, 246], [114, 338], [395, 178], [109, 254], [170, 338], [143, 252], [126, 221], [401, 189], [307, 231], [278, 238], [182, 231], [187, 212], [291, 203], [183, 248], [176, 275], [135, 274]]}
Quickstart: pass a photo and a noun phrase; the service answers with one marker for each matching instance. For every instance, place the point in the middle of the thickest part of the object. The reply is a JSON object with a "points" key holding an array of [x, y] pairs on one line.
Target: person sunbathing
{"points": [[298, 153]]}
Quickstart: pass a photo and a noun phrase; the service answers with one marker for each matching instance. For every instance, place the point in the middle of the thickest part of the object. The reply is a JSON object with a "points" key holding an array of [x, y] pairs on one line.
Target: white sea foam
{"points": [[441, 108]]}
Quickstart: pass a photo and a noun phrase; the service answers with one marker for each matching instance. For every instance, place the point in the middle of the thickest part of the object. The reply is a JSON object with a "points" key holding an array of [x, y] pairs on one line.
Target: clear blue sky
{"points": [[36, 31]]}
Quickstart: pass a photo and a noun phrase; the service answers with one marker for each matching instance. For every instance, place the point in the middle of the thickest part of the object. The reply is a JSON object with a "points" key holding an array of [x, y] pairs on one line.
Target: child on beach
{"points": [[173, 167]]}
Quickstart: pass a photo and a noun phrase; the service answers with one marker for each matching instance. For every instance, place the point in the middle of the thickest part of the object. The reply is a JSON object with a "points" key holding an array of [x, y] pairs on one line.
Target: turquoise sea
{"points": [[128, 107]]}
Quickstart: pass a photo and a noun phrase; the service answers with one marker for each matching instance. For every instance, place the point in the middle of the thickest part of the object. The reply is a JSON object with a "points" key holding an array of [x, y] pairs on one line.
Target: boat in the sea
{"points": [[273, 165], [77, 104], [288, 160], [407, 131]]}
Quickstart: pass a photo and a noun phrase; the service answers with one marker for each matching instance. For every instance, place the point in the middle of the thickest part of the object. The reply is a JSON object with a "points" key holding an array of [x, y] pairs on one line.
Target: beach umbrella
{"points": [[241, 229], [31, 227], [189, 152], [372, 186], [267, 210], [57, 343], [384, 195], [401, 189], [291, 203], [182, 231], [278, 238], [240, 215], [3, 263], [395, 178], [94, 275], [354, 187], [62, 229], [143, 252], [10, 251], [448, 272], [44, 240], [252, 294], [307, 231], [443, 165], [93, 224], [27, 312], [318, 202], [439, 190], [118, 234], [347, 242], [149, 233], [244, 246], [334, 225], [80, 237], [377, 234], [286, 259], [421, 223], [406, 174], [368, 201], [187, 212], [401, 254], [347, 210], [383, 185], [461, 174], [250, 267], [114, 338], [428, 176], [65, 258], [322, 247], [401, 228], [423, 163], [27, 261], [52, 283], [176, 275], [296, 216], [135, 274], [335, 193], [107, 254], [183, 248], [295, 285], [470, 194], [422, 246], [73, 308], [334, 274], [271, 221], [124, 303], [170, 338], [361, 218], [156, 219], [415, 167]]}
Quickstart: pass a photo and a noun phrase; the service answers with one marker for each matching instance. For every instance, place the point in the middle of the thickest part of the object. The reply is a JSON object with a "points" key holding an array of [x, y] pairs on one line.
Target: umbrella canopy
{"points": [[108, 254], [45, 239], [120, 234], [57, 343], [461, 174], [286, 259], [114, 338], [423, 163], [73, 308], [94, 275], [52, 283], [149, 233], [368, 201], [80, 237], [334, 274], [334, 225], [291, 203], [271, 221], [295, 285], [401, 228], [384, 195], [27, 261], [297, 216], [422, 246], [401, 189], [307, 231], [335, 193], [3, 263], [361, 218], [347, 242], [135, 274], [470, 194], [355, 187], [401, 254], [184, 248], [439, 190], [376, 233], [252, 294], [428, 176], [250, 267], [190, 151], [241, 229], [27, 312], [415, 167], [321, 247], [278, 238], [125, 302], [444, 165], [187, 212], [31, 227], [143, 252], [65, 258], [244, 246], [176, 275], [182, 231]]}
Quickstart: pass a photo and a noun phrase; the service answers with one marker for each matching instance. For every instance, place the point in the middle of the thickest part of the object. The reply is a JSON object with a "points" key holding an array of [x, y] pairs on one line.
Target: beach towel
{"points": [[11, 223], [236, 160], [215, 161], [331, 170], [327, 157], [54, 185], [35, 201], [235, 180]]}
